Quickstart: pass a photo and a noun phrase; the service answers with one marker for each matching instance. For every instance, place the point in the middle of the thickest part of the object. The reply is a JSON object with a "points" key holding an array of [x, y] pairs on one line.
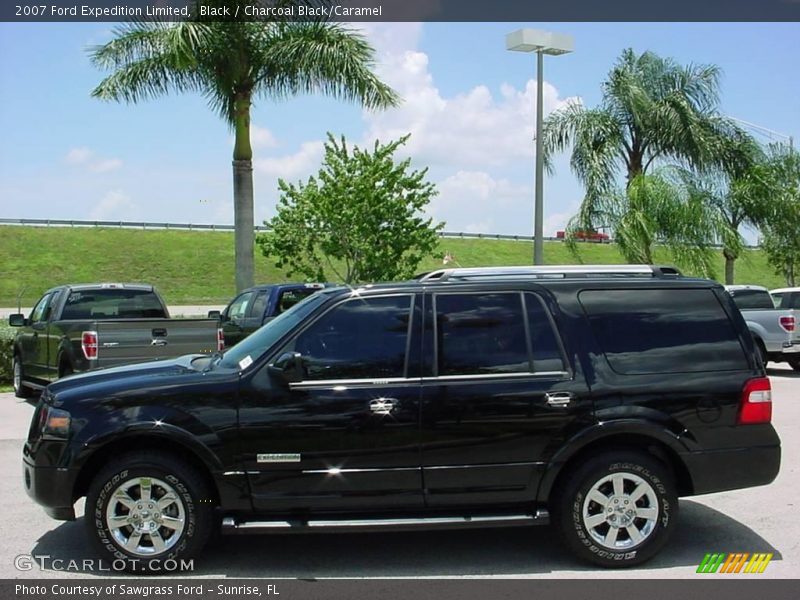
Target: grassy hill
{"points": [[197, 267]]}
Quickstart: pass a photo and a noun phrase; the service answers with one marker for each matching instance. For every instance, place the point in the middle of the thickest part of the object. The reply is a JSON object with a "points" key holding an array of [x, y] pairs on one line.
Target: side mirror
{"points": [[288, 367], [215, 314], [17, 320]]}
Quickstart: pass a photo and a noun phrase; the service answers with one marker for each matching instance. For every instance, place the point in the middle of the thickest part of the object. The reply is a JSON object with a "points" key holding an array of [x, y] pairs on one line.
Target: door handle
{"points": [[559, 398], [382, 406]]}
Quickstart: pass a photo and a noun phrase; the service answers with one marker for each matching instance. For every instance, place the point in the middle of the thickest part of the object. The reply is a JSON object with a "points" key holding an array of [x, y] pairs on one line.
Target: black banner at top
{"points": [[401, 10]]}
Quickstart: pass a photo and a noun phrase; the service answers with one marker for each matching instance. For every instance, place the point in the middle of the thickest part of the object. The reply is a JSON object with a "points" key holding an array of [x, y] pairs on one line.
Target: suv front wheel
{"points": [[617, 509], [148, 512]]}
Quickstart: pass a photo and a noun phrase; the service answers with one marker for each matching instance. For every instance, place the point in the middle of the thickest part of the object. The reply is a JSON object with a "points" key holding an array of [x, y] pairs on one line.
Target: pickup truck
{"points": [[257, 306], [75, 328], [774, 329]]}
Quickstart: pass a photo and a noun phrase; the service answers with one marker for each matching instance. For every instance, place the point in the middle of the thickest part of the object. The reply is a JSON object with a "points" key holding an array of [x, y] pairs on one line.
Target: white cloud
{"points": [[261, 137], [476, 202], [85, 157], [77, 156], [473, 129], [115, 206], [299, 165]]}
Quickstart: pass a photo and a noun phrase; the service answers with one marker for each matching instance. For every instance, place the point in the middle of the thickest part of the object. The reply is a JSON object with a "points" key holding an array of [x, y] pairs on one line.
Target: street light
{"points": [[554, 44]]}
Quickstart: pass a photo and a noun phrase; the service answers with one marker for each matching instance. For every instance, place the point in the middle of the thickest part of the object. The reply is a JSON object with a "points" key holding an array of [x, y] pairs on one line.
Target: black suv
{"points": [[592, 397]]}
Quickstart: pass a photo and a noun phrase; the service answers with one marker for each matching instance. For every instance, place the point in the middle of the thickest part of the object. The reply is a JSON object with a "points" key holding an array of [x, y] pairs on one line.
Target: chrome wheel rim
{"points": [[620, 511], [17, 375], [145, 516]]}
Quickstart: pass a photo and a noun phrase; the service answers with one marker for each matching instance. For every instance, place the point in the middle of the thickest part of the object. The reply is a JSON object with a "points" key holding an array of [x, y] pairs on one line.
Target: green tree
{"points": [[781, 229], [232, 63], [361, 218], [655, 210], [737, 193], [652, 109]]}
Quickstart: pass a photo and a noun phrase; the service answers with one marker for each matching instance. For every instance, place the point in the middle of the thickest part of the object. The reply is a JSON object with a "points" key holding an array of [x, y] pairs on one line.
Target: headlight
{"points": [[55, 423]]}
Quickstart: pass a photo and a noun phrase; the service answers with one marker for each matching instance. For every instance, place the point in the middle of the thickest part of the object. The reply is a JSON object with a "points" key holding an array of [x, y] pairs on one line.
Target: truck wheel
{"points": [[795, 363], [146, 510], [761, 353], [20, 389], [617, 509]]}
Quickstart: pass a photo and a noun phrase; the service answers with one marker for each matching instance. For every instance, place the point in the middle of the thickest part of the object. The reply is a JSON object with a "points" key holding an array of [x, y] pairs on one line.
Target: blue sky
{"points": [[469, 105]]}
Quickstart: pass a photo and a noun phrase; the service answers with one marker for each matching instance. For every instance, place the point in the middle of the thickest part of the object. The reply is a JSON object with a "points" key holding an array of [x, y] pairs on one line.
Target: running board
{"points": [[232, 526]]}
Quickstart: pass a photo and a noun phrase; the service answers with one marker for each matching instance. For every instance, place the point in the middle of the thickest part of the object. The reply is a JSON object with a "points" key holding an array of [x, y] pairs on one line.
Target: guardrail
{"points": [[213, 227]]}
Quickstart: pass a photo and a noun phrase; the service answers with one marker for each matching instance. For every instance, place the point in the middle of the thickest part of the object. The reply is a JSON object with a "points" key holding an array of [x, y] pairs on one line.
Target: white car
{"points": [[786, 297]]}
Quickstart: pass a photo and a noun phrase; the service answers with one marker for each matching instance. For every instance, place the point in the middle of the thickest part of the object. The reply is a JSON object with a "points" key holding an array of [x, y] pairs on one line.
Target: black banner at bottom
{"points": [[413, 589]]}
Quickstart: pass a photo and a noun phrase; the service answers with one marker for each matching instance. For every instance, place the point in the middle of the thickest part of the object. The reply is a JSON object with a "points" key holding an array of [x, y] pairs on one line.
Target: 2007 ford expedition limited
{"points": [[589, 397]]}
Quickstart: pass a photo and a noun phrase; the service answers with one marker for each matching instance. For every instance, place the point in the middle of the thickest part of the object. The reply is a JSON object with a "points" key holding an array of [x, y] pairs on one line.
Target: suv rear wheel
{"points": [[146, 510], [617, 509]]}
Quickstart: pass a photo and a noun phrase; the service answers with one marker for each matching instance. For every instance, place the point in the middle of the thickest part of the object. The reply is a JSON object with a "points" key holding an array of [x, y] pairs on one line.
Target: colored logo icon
{"points": [[738, 562]]}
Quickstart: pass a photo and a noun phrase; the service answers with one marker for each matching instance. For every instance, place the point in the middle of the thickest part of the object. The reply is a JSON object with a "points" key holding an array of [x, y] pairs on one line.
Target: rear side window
{"points": [[752, 299], [112, 304], [289, 298], [486, 334], [663, 331]]}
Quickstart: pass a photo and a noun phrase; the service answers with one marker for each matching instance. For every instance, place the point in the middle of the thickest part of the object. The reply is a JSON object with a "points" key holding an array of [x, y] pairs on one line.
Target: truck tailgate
{"points": [[139, 340]]}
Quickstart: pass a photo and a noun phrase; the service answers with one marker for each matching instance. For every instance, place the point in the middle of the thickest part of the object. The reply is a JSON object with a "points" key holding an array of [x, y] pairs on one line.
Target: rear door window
{"points": [[496, 333], [663, 331]]}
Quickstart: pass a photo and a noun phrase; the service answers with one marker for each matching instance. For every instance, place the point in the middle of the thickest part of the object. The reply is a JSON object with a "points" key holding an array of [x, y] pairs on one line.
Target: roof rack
{"points": [[551, 272]]}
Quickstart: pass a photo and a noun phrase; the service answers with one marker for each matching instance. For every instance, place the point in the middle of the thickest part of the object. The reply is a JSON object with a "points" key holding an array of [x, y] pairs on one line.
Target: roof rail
{"points": [[551, 272]]}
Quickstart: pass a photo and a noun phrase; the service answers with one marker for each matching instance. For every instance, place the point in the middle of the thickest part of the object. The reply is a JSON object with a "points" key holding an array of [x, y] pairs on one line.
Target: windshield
{"points": [[250, 348]]}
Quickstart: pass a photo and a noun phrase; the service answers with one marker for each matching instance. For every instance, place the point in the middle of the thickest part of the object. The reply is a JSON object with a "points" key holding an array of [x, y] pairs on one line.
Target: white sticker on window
{"points": [[245, 362]]}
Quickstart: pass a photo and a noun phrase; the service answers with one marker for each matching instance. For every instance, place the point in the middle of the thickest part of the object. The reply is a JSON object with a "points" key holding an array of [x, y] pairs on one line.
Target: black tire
{"points": [[794, 363], [20, 389], [192, 496], [761, 353], [64, 369], [632, 467]]}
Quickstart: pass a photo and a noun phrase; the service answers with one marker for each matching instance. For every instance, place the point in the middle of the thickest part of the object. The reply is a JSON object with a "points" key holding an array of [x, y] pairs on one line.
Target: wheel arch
{"points": [[639, 441], [105, 453]]}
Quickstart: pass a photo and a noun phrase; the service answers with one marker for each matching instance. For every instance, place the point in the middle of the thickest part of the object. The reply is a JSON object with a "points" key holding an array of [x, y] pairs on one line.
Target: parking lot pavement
{"points": [[754, 520]]}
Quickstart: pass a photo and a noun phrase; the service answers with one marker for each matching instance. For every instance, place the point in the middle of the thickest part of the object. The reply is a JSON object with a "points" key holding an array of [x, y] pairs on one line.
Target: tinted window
{"points": [[259, 305], [663, 331], [291, 297], [363, 338], [546, 350], [481, 334], [112, 304], [777, 300], [752, 299]]}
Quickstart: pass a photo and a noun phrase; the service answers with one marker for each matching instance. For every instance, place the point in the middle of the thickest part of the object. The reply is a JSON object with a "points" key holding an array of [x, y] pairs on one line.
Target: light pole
{"points": [[541, 42]]}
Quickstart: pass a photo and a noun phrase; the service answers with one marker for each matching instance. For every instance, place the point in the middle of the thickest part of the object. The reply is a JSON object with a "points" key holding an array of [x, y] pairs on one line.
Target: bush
{"points": [[6, 349]]}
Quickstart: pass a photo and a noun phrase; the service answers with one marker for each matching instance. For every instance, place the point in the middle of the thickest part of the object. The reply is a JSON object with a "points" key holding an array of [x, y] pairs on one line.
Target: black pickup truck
{"points": [[589, 397], [74, 328]]}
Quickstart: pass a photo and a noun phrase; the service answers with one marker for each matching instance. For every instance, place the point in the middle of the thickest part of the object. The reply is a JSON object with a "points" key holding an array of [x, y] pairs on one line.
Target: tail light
{"points": [[220, 339], [756, 404], [787, 323], [89, 344]]}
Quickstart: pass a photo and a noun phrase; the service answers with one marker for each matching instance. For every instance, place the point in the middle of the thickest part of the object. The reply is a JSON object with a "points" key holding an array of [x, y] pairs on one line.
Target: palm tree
{"points": [[738, 193], [653, 211], [652, 108], [232, 63]]}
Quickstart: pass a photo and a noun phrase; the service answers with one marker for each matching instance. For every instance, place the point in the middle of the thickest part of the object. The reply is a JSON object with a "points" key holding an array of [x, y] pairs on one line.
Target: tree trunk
{"points": [[730, 260], [243, 218]]}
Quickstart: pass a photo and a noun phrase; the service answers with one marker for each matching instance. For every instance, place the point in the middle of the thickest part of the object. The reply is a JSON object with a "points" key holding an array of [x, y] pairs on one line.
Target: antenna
{"points": [[19, 299]]}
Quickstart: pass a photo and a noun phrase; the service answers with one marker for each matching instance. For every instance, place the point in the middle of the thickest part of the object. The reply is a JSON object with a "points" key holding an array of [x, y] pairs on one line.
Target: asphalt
{"points": [[760, 519]]}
